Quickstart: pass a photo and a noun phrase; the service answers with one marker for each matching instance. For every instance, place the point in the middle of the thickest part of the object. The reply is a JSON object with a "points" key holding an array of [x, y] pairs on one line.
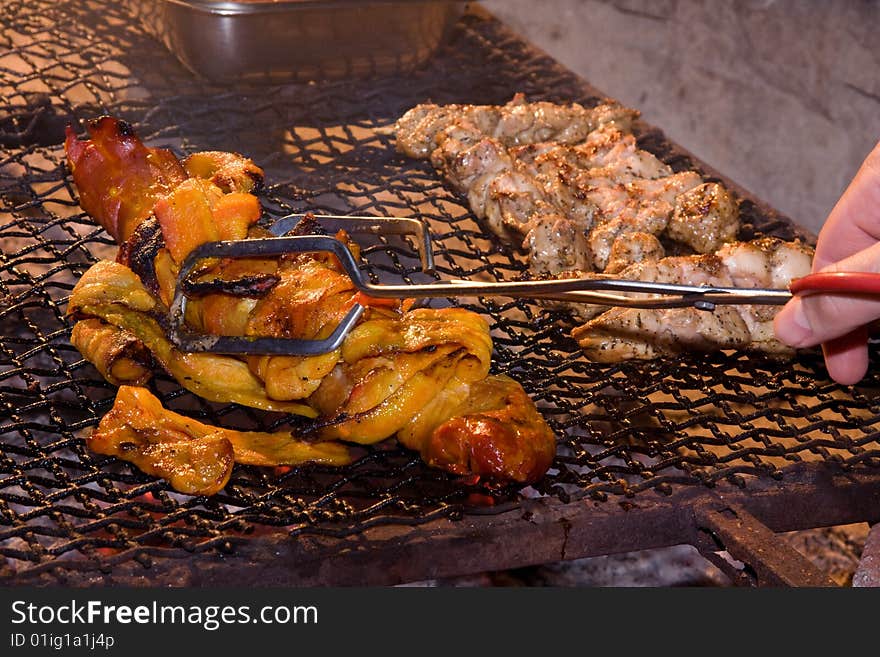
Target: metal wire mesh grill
{"points": [[622, 429]]}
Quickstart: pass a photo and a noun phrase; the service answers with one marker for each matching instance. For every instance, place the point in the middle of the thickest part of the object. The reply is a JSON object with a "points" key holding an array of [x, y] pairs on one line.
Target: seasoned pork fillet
{"points": [[498, 190], [555, 245], [616, 150], [705, 218], [632, 333], [521, 162], [639, 206], [765, 262], [514, 201], [417, 130], [607, 147], [463, 158], [568, 174], [633, 248], [517, 122], [708, 270], [588, 202], [606, 186], [624, 333]]}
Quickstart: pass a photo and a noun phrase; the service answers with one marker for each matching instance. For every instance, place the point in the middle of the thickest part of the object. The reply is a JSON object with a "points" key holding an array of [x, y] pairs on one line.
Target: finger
{"points": [[811, 319], [854, 223], [791, 326], [847, 357]]}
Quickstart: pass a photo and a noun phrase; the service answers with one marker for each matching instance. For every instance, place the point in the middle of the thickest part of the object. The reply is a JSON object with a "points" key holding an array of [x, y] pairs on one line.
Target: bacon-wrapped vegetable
{"points": [[117, 177], [195, 458], [118, 354], [422, 375]]}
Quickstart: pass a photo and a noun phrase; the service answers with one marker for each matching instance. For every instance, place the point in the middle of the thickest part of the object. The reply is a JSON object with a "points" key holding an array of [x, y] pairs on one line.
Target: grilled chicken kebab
{"points": [[421, 375], [623, 333], [572, 186]]}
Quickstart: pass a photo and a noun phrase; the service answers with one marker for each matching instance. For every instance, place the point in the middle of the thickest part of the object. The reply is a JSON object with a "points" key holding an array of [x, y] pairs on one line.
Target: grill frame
{"points": [[585, 512]]}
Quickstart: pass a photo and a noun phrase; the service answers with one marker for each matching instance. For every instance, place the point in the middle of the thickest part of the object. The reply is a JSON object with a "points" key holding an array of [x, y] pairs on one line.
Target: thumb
{"points": [[808, 320]]}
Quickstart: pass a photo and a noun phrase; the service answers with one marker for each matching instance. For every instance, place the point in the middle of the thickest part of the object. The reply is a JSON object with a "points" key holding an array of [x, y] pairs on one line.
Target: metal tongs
{"points": [[600, 291]]}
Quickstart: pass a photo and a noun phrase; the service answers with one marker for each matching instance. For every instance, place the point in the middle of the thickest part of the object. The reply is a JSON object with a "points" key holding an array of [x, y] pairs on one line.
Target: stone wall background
{"points": [[782, 96]]}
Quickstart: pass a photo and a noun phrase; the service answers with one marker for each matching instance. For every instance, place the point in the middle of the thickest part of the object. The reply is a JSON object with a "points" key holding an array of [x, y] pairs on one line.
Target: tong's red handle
{"points": [[854, 282]]}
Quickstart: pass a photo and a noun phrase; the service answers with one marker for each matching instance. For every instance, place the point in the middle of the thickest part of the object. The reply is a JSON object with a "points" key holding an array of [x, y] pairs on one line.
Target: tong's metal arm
{"points": [[585, 290], [600, 290], [593, 291], [582, 290], [367, 226]]}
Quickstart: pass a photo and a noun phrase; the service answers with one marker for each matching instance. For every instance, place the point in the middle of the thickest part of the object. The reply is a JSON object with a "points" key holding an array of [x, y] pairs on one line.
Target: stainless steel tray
{"points": [[299, 39]]}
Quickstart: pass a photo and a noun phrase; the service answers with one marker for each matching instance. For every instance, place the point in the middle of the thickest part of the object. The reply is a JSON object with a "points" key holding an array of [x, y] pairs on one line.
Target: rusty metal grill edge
{"points": [[650, 454]]}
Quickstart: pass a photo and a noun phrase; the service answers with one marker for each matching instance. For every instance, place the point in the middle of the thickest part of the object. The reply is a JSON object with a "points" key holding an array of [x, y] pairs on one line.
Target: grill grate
{"points": [[624, 430]]}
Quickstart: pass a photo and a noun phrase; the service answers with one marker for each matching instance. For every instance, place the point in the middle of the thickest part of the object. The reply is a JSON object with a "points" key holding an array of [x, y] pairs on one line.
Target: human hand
{"points": [[849, 241]]}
